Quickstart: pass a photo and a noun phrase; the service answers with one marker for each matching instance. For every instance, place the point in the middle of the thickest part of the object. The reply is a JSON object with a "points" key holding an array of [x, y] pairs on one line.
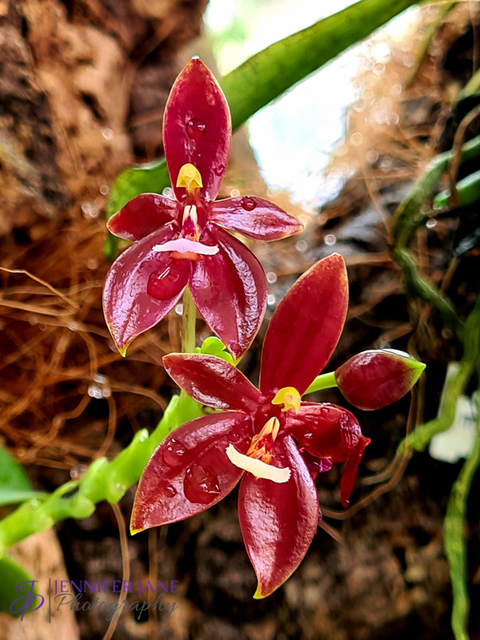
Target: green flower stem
{"points": [[324, 381], [189, 316], [454, 539]]}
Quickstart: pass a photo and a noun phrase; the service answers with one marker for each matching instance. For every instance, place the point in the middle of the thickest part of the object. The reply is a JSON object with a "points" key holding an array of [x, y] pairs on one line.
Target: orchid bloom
{"points": [[267, 435], [184, 241]]}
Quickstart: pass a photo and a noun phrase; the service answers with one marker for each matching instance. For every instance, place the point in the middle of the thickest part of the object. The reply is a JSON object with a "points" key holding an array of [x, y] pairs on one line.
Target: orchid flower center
{"points": [[189, 177], [258, 456], [289, 397]]}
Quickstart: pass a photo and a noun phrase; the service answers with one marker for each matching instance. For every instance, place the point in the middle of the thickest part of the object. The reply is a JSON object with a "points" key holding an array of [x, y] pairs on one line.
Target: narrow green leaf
{"points": [[12, 474], [17, 589]]}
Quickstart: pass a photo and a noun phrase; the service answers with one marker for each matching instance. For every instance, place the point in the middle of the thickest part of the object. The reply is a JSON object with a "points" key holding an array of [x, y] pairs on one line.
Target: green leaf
{"points": [[263, 78], [12, 596], [12, 474]]}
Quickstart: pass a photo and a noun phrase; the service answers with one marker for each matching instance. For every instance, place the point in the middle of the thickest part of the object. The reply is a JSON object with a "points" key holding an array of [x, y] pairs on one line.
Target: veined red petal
{"points": [[190, 471], [129, 309], [306, 327], [254, 218], [230, 290], [142, 215], [197, 129], [213, 382], [278, 521], [376, 378], [328, 431]]}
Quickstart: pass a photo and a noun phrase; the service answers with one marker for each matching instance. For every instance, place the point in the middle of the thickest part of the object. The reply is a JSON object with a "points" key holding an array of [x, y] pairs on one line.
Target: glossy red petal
{"points": [[142, 215], [254, 218], [129, 309], [374, 379], [306, 327], [328, 431], [213, 382], [190, 471], [197, 128], [278, 521], [230, 290]]}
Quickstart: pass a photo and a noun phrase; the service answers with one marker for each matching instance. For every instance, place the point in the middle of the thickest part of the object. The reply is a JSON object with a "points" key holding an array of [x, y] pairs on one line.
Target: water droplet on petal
{"points": [[173, 452], [430, 224], [200, 485], [168, 282], [219, 170], [169, 491], [248, 203], [308, 435], [195, 128]]}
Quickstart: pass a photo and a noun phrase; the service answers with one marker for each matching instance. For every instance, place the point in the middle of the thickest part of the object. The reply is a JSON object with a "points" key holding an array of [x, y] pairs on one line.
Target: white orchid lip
{"points": [[256, 467], [184, 245]]}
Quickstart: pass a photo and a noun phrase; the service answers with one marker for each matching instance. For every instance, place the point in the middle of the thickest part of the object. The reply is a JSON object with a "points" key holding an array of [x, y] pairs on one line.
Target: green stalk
{"points": [[323, 381]]}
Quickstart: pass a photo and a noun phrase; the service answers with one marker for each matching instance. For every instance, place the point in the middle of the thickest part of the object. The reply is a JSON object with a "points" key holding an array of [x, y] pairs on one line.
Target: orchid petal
{"points": [[306, 327], [213, 382], [128, 307], [142, 215], [190, 471], [254, 218], [197, 129], [278, 521], [230, 290], [328, 431], [376, 378]]}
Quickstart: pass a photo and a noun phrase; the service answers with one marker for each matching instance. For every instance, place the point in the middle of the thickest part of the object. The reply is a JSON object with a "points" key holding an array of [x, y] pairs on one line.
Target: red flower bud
{"points": [[374, 379]]}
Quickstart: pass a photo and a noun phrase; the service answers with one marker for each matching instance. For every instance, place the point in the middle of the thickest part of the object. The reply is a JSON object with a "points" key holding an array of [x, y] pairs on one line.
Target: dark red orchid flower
{"points": [[267, 435], [184, 241]]}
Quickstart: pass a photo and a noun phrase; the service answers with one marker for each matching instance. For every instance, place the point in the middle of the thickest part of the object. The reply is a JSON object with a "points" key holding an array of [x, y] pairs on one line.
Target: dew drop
{"points": [[104, 189], [219, 170], [430, 224], [301, 246], [234, 193], [179, 309], [95, 391], [195, 128], [173, 452], [330, 240], [107, 133], [248, 203], [308, 435], [169, 491], [200, 485], [271, 277], [168, 282], [271, 300]]}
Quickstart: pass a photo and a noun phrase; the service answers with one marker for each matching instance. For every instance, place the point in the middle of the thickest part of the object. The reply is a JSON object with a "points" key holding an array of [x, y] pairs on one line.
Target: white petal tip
{"points": [[256, 467]]}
